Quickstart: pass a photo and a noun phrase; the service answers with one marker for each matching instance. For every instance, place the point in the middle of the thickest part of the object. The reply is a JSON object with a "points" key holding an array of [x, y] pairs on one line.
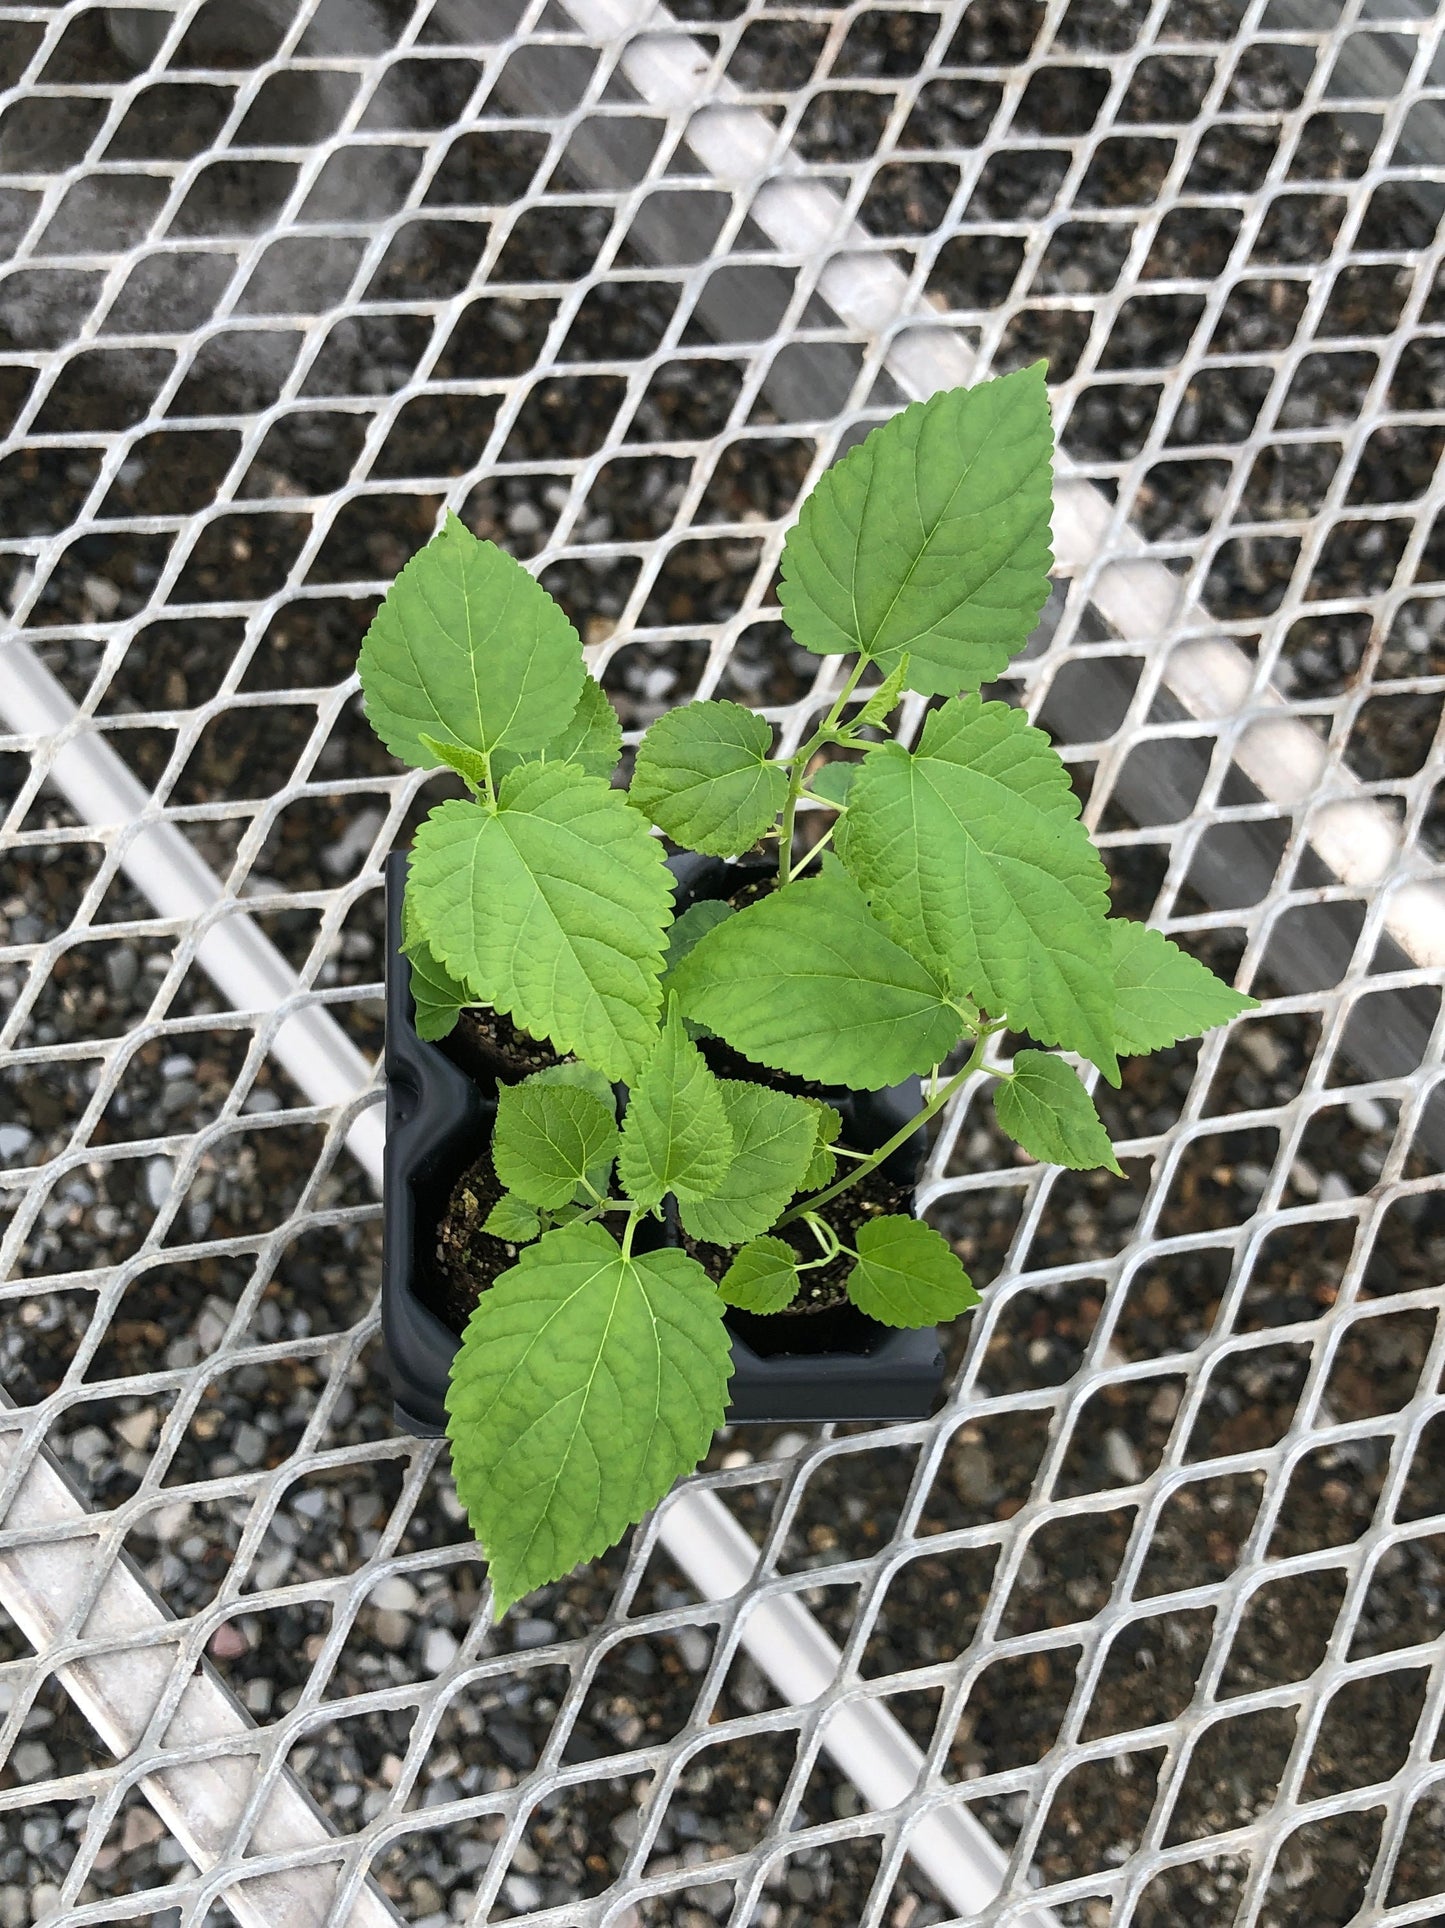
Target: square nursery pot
{"points": [[809, 1368]]}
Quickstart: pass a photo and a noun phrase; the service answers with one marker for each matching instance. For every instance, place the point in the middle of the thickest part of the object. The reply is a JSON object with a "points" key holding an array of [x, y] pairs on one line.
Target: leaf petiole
{"points": [[900, 1137]]}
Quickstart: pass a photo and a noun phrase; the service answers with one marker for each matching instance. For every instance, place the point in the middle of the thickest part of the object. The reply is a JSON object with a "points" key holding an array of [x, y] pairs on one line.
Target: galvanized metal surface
{"points": [[1160, 1590]]}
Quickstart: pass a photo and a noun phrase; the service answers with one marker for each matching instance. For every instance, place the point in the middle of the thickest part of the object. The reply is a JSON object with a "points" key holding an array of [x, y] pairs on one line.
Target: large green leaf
{"points": [[774, 1137], [1044, 1108], [437, 995], [592, 739], [907, 1275], [972, 853], [807, 980], [676, 1136], [703, 776], [553, 907], [549, 1137], [932, 536], [468, 648], [586, 1383], [763, 1277], [1162, 994]]}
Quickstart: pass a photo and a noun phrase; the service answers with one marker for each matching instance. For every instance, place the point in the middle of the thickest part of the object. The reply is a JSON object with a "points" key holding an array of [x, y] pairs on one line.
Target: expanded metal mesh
{"points": [[1160, 1591]]}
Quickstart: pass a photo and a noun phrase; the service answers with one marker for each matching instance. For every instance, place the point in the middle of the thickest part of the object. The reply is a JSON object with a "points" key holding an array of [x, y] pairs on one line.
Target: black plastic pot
{"points": [[805, 1368]]}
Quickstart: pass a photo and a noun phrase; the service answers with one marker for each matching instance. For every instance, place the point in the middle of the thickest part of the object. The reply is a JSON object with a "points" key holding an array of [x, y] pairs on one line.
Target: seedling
{"points": [[954, 894]]}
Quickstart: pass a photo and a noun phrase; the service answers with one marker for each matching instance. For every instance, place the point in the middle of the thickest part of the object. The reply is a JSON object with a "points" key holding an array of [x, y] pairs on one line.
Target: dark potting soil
{"points": [[872, 1197], [487, 1045], [467, 1258]]}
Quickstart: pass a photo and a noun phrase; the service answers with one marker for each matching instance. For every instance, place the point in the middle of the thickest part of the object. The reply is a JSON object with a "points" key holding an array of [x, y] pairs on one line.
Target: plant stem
{"points": [[633, 1218], [798, 768], [900, 1137]]}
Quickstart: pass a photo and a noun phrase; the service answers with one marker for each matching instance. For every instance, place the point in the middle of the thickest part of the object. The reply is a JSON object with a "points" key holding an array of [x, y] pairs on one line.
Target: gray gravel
{"points": [[328, 1524]]}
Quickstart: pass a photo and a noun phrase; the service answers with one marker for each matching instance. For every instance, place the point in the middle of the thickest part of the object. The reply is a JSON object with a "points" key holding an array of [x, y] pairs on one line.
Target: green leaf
{"points": [[824, 1166], [553, 908], [807, 980], [675, 1137], [548, 1137], [774, 1136], [833, 782], [592, 739], [1044, 1108], [571, 1071], [586, 1383], [704, 777], [884, 700], [469, 648], [470, 765], [1162, 994], [512, 1219], [972, 853], [689, 929], [932, 536], [763, 1277], [907, 1275], [437, 995]]}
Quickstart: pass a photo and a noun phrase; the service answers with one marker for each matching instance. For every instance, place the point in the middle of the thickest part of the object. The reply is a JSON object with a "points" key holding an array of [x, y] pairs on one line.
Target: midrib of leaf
{"points": [[578, 1425], [929, 534]]}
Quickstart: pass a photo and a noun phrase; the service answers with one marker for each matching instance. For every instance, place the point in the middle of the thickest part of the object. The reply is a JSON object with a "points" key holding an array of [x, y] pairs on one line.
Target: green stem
{"points": [[634, 1218], [900, 1137], [798, 764]]}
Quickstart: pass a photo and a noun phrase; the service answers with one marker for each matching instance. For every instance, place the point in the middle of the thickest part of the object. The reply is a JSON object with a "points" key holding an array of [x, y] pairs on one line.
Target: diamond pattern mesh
{"points": [[1159, 1594]]}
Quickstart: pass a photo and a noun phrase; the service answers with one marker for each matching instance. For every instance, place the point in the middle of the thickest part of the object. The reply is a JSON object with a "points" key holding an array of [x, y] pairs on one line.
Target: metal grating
{"points": [[1159, 1595]]}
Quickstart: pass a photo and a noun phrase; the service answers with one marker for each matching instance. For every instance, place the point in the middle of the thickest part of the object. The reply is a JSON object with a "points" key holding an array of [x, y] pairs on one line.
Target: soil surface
{"points": [[488, 1046], [467, 1258]]}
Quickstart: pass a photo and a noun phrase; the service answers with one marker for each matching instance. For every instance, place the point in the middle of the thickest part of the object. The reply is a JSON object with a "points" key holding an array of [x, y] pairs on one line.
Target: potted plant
{"points": [[686, 1099]]}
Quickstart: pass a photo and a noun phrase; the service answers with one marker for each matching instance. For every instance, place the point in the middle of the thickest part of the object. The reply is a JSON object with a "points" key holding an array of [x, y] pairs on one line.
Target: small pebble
{"points": [[89, 1446], [32, 1761], [136, 1428], [394, 1594], [159, 1173], [534, 1633], [522, 1894], [14, 1139], [439, 1650], [392, 1629]]}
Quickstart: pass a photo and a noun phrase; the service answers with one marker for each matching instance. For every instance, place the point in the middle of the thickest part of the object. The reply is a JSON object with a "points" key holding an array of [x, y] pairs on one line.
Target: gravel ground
{"points": [[328, 1523]]}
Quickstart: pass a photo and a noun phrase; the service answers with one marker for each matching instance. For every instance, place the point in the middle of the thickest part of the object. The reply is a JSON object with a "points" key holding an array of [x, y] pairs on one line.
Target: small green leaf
{"points": [[469, 649], [512, 1219], [824, 1166], [675, 1137], [548, 1137], [437, 995], [592, 740], [470, 765], [932, 536], [1044, 1108], [704, 777], [586, 1383], [884, 700], [774, 1136], [1162, 994], [907, 1275], [553, 908], [768, 978], [833, 782], [972, 853], [763, 1277]]}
